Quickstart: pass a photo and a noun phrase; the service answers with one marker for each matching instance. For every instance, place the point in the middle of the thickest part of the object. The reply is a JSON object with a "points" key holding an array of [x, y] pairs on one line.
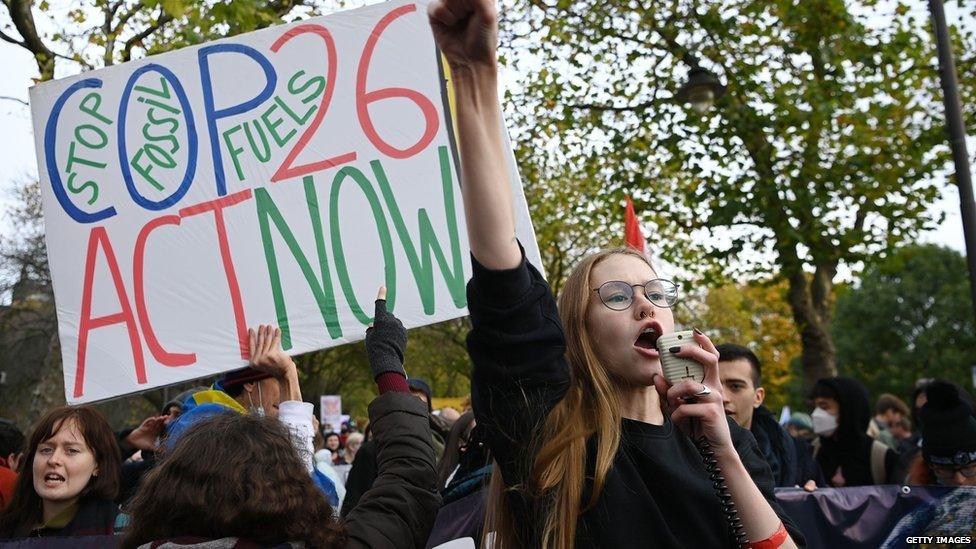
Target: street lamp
{"points": [[957, 137], [701, 90]]}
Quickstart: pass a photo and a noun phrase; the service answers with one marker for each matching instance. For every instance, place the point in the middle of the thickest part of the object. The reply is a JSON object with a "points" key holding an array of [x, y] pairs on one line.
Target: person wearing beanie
{"points": [[948, 454], [421, 390], [846, 454]]}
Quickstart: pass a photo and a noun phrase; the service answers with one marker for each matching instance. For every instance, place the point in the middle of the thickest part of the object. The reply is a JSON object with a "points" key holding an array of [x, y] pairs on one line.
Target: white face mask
{"points": [[824, 423]]}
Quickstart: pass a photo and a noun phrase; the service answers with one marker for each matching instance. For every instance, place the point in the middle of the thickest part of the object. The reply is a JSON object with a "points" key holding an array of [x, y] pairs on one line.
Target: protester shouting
{"points": [[69, 478], [580, 421], [257, 491]]}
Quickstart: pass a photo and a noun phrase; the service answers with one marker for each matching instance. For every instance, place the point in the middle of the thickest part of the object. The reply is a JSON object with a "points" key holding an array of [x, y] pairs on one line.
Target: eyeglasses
{"points": [[619, 295], [946, 471]]}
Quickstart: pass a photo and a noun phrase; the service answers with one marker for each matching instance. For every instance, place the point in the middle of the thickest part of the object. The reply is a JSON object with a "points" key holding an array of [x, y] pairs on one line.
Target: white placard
{"points": [[330, 411], [279, 176]]}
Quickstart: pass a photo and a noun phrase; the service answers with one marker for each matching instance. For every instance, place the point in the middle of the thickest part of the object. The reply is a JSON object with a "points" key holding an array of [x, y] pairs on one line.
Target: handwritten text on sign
{"points": [[279, 176]]}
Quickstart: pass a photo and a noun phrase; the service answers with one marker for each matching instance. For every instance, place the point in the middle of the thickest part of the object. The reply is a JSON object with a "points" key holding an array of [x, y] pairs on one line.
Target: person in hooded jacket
{"points": [[846, 454]]}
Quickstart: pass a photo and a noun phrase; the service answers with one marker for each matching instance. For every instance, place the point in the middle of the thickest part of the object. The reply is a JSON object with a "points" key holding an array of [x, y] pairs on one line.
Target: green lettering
{"points": [[322, 291], [102, 138], [422, 266], [298, 120], [317, 81], [264, 141], [234, 151], [280, 141], [146, 170], [382, 229], [86, 107]]}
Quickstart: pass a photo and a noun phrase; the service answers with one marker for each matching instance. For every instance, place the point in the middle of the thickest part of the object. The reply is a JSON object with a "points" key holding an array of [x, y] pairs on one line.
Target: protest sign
{"points": [[279, 176], [330, 411]]}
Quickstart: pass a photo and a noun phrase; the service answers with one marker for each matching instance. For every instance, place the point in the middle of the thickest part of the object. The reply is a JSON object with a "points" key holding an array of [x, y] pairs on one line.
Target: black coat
{"points": [[399, 509]]}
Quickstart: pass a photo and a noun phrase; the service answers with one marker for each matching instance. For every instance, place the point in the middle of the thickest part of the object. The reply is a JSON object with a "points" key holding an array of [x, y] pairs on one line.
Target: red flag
{"points": [[632, 230]]}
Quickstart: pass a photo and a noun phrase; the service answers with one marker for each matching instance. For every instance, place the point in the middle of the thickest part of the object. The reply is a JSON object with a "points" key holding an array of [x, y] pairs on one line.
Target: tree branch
{"points": [[616, 108], [163, 19], [16, 99], [12, 40], [23, 19]]}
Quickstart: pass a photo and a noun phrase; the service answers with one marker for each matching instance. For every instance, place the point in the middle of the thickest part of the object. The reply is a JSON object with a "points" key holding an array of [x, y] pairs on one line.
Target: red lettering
{"points": [[286, 170], [99, 237], [217, 207], [161, 355], [363, 99]]}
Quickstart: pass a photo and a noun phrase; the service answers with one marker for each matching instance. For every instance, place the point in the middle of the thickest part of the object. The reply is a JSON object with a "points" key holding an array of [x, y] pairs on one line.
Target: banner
{"points": [[883, 516], [279, 176], [863, 517]]}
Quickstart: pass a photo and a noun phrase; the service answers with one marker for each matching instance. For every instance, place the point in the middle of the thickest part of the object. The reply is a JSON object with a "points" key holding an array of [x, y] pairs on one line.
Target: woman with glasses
{"points": [[593, 448]]}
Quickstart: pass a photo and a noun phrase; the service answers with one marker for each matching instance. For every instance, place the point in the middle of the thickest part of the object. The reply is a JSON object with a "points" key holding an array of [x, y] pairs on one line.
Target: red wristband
{"points": [[772, 542]]}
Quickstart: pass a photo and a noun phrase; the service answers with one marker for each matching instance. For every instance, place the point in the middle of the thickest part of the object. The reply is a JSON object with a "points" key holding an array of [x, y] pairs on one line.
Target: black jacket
{"points": [[365, 468], [849, 448], [399, 509], [790, 460], [657, 491]]}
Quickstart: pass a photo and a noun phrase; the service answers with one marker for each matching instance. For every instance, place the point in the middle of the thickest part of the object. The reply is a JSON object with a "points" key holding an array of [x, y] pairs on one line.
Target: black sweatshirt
{"points": [[656, 494]]}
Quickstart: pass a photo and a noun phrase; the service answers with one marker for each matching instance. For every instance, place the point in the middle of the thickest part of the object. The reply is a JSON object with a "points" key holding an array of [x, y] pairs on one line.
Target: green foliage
{"points": [[911, 317], [823, 148], [826, 150], [757, 316], [435, 353]]}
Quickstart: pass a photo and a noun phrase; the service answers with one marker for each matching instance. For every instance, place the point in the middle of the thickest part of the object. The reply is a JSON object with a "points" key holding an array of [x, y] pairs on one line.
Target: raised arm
{"points": [[466, 31], [398, 510]]}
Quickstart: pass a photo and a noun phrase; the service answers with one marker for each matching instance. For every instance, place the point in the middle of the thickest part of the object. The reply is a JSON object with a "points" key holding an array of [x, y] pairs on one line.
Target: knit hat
{"points": [[418, 384], [949, 433]]}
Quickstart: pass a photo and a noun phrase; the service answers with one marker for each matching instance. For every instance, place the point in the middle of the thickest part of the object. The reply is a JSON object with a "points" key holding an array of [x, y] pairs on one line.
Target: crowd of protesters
{"points": [[573, 436]]}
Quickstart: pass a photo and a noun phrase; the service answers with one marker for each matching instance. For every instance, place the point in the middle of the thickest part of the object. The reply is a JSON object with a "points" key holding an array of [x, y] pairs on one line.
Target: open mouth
{"points": [[648, 338], [53, 478]]}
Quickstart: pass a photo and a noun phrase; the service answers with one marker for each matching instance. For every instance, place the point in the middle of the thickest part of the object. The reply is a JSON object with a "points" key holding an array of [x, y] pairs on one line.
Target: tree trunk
{"points": [[811, 301]]}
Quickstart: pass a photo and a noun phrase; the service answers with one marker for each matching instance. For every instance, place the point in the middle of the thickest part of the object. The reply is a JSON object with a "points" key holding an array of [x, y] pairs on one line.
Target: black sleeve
{"points": [[752, 458], [398, 511], [893, 474], [361, 476], [517, 349], [807, 467]]}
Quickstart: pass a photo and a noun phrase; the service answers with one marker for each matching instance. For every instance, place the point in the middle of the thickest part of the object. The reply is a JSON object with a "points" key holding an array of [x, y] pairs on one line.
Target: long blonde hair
{"points": [[589, 410]]}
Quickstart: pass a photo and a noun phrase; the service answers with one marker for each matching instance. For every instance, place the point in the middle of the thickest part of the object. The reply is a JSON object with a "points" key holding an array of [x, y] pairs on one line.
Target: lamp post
{"points": [[702, 88], [957, 137]]}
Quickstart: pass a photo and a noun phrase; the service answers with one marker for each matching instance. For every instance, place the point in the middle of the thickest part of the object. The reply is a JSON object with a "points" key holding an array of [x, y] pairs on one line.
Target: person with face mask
{"points": [[846, 454]]}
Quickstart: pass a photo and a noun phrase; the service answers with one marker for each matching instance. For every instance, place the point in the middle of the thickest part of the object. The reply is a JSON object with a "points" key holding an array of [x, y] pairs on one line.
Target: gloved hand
{"points": [[386, 340]]}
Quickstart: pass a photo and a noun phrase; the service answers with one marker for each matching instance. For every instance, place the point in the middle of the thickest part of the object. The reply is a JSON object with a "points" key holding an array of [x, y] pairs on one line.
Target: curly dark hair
{"points": [[232, 475], [26, 507]]}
